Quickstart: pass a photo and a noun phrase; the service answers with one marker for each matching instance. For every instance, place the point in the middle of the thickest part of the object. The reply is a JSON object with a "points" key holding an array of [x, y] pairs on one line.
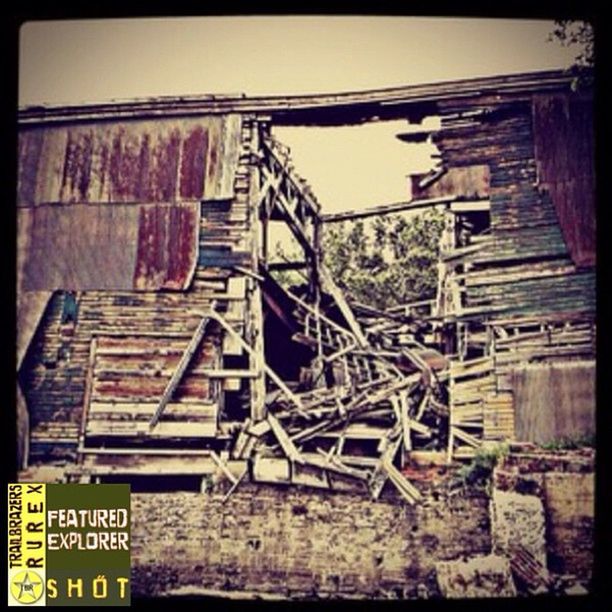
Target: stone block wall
{"points": [[302, 542], [570, 503], [565, 484]]}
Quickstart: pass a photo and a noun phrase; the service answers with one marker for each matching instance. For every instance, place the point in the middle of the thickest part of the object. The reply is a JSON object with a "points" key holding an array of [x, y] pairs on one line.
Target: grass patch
{"points": [[478, 472], [570, 442]]}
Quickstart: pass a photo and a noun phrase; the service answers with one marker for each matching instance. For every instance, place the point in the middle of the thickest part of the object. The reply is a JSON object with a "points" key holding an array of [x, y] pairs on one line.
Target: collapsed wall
{"points": [[99, 372]]}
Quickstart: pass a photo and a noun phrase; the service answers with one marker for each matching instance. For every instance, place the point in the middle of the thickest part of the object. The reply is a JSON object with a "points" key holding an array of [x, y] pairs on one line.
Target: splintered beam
{"points": [[287, 265], [266, 368], [385, 209]]}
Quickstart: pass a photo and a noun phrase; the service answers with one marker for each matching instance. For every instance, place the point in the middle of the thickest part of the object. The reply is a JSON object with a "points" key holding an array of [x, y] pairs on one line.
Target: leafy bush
{"points": [[391, 261], [478, 472]]}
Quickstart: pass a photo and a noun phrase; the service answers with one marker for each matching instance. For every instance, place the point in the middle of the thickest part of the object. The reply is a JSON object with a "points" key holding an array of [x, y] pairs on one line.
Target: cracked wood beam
{"points": [[289, 448], [385, 209], [235, 484], [408, 491], [345, 309], [379, 475], [223, 467]]}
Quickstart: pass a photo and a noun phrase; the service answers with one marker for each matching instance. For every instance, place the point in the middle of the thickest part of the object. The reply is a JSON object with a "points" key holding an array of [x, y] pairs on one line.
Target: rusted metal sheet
{"points": [[31, 306], [129, 161], [123, 246], [564, 152], [470, 182], [167, 246]]}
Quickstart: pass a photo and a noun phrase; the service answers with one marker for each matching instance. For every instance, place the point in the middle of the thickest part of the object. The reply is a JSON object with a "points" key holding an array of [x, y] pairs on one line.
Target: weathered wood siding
{"points": [[138, 338], [525, 226], [554, 401], [564, 151]]}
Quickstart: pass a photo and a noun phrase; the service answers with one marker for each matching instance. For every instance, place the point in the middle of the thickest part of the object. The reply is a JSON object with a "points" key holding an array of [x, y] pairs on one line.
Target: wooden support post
{"points": [[267, 369], [87, 397], [258, 384], [255, 310], [402, 399]]}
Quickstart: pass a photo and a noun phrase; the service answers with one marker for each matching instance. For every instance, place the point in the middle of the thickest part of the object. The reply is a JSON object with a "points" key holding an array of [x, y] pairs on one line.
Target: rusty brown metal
{"points": [[128, 161], [123, 246], [167, 246]]}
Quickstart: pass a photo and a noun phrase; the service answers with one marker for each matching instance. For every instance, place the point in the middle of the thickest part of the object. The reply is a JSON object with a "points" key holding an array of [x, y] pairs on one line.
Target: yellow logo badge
{"points": [[27, 587]]}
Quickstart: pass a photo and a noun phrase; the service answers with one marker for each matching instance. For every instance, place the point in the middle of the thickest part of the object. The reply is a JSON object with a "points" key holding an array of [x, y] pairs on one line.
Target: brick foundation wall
{"points": [[303, 543]]}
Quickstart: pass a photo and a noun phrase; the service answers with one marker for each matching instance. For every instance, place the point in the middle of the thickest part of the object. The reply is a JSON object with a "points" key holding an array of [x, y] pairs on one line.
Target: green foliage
{"points": [[391, 262], [478, 472], [287, 278], [570, 442], [581, 36]]}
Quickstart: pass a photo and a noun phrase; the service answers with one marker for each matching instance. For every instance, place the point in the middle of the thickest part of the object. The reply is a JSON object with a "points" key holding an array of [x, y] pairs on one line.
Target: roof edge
{"points": [[279, 104]]}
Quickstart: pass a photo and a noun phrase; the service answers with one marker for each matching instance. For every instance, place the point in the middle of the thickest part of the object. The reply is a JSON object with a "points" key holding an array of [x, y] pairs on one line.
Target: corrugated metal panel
{"points": [[123, 246], [564, 151], [129, 161], [554, 401], [167, 246]]}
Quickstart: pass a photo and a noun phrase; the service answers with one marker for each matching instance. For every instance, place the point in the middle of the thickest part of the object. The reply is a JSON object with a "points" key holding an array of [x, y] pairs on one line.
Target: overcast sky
{"points": [[64, 62]]}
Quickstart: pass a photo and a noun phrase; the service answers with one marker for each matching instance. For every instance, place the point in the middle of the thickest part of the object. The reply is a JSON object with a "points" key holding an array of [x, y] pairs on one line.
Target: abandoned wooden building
{"points": [[153, 340]]}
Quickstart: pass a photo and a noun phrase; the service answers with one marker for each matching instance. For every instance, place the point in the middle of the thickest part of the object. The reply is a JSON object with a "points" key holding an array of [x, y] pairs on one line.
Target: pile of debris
{"points": [[365, 406]]}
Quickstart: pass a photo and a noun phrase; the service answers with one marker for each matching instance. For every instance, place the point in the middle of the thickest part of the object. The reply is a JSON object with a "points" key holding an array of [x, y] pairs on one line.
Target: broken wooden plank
{"points": [[408, 491], [223, 467], [465, 437], [142, 429], [347, 313], [385, 209], [289, 448], [268, 370], [379, 475], [235, 484]]}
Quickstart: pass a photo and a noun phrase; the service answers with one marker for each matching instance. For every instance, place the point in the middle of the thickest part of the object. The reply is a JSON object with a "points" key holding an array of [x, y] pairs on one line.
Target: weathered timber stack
{"points": [[517, 282]]}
